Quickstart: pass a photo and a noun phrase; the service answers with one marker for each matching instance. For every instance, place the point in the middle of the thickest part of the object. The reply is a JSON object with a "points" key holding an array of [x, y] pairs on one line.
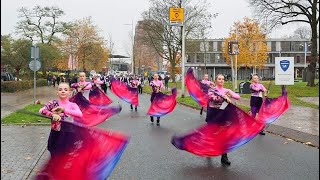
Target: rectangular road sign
{"points": [[176, 15], [233, 47], [284, 70], [35, 52]]}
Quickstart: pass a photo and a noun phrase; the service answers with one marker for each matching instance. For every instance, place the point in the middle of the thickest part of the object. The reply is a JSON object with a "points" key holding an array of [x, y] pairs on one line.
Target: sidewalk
{"points": [[23, 147], [11, 102]]}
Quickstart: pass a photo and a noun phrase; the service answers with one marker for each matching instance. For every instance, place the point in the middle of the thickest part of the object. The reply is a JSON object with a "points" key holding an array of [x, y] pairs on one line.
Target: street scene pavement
{"points": [[150, 155]]}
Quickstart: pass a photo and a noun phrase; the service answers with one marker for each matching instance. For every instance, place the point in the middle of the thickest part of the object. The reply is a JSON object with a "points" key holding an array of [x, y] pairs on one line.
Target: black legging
{"points": [[140, 88]]}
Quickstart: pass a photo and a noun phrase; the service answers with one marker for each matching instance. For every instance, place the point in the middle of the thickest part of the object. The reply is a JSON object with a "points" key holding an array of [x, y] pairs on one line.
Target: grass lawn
{"points": [[23, 118], [299, 89]]}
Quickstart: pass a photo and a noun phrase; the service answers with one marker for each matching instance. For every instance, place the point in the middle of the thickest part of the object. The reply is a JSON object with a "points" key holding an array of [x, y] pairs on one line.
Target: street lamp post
{"points": [[132, 57]]}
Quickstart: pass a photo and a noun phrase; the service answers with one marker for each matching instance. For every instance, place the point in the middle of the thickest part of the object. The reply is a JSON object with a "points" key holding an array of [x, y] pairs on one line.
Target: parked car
{"points": [[6, 76]]}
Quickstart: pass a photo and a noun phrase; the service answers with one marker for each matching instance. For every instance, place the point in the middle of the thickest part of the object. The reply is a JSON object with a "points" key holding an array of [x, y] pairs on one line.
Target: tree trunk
{"points": [[44, 72], [314, 55], [173, 74], [17, 73]]}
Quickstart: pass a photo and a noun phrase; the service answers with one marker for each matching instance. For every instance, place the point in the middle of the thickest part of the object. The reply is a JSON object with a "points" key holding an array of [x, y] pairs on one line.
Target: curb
{"points": [[29, 171], [298, 136], [26, 124]]}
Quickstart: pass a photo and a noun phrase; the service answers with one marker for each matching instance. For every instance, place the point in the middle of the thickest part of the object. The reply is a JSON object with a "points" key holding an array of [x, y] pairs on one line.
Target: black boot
{"points": [[136, 108], [131, 107], [151, 119], [224, 160], [262, 133], [158, 121], [201, 111]]}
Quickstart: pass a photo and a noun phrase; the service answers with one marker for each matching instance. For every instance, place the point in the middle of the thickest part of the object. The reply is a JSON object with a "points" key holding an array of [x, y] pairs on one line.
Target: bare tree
{"points": [[166, 39], [41, 22], [110, 45], [302, 33], [281, 12]]}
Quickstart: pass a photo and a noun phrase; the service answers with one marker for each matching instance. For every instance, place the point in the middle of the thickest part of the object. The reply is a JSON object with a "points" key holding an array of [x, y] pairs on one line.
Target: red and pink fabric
{"points": [[93, 154], [197, 90], [163, 104], [124, 92]]}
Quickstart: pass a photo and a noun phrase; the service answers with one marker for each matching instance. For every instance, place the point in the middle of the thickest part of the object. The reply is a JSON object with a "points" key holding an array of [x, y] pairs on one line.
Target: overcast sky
{"points": [[111, 15]]}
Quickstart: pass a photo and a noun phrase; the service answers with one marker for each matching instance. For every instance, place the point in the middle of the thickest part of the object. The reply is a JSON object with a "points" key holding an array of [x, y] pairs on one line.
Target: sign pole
{"points": [[183, 58], [236, 67], [34, 76], [232, 73], [34, 65], [176, 18]]}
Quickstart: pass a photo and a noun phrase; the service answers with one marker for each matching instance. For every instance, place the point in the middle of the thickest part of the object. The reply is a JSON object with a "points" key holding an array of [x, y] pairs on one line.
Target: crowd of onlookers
{"points": [[53, 79]]}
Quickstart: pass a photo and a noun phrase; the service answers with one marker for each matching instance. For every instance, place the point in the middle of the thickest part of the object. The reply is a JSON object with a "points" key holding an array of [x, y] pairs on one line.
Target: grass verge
{"points": [[299, 89], [23, 118]]}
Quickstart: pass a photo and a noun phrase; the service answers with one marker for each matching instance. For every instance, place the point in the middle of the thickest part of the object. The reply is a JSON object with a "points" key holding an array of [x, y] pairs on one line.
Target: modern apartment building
{"points": [[212, 50]]}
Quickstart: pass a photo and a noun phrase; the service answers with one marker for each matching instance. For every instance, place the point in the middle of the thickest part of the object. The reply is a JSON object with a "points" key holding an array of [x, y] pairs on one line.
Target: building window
{"points": [[285, 46], [269, 45], [297, 46], [220, 45], [217, 58], [273, 46], [215, 46], [309, 46], [210, 58], [270, 58], [210, 46], [298, 59], [200, 58], [190, 58], [274, 55], [204, 46]]}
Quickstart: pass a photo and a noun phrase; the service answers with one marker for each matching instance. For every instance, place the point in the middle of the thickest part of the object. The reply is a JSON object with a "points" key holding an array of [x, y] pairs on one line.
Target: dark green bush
{"points": [[14, 86]]}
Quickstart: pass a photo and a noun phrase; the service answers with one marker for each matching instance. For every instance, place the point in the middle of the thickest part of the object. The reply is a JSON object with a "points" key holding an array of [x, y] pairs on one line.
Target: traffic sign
{"points": [[35, 65], [35, 52], [176, 16], [233, 47], [284, 71]]}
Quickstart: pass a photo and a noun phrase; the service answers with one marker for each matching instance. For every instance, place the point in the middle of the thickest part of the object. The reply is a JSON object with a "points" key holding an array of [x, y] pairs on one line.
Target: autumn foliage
{"points": [[87, 46], [177, 68], [253, 44]]}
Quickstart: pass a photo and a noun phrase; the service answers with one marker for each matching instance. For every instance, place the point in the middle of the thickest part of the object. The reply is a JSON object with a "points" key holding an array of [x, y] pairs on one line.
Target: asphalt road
{"points": [[150, 155]]}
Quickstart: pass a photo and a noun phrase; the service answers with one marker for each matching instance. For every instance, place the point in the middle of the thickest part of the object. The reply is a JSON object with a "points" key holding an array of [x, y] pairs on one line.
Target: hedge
{"points": [[14, 86]]}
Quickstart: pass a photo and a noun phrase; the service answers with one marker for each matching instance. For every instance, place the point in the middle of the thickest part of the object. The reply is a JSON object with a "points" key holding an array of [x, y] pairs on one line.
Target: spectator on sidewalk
{"points": [[166, 82], [58, 80], [49, 79], [54, 78], [141, 85], [63, 79]]}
